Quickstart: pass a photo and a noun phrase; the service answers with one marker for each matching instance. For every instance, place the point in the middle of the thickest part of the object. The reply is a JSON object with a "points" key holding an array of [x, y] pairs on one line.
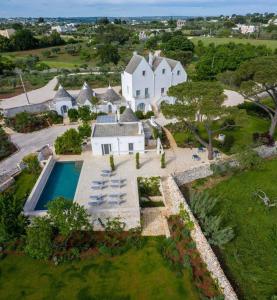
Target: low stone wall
{"points": [[204, 170], [192, 174], [202, 244], [6, 184], [38, 188], [32, 108]]}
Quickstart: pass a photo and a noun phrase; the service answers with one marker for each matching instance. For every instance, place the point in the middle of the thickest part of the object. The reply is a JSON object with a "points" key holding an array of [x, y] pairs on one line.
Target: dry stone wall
{"points": [[202, 244]]}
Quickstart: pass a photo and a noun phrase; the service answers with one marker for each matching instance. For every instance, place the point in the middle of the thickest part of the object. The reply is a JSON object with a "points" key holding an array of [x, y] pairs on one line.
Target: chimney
{"points": [[135, 53], [139, 128], [150, 61], [157, 53], [118, 115]]}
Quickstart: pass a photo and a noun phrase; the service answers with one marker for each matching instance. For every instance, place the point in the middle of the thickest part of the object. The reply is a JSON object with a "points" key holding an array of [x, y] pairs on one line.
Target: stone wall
{"points": [[204, 170], [38, 188], [6, 184], [32, 108], [202, 244], [192, 174]]}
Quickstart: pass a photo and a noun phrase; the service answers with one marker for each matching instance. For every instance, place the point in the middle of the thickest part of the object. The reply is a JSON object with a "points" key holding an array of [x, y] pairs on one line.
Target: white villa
{"points": [[108, 102], [145, 82], [118, 134]]}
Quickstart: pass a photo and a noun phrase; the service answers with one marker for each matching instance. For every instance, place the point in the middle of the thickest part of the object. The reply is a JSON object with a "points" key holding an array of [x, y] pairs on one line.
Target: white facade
{"points": [[146, 82], [118, 145], [246, 29], [118, 135]]}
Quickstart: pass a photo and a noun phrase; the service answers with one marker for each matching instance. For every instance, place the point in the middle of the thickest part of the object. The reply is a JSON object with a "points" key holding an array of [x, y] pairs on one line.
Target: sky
{"points": [[128, 8]]}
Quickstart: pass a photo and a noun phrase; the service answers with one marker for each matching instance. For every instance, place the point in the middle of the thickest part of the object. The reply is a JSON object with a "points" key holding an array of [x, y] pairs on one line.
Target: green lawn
{"points": [[137, 274], [217, 41], [243, 134], [251, 258]]}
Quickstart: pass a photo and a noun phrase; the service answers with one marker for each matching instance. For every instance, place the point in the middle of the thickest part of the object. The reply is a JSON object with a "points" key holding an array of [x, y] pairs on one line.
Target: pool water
{"points": [[62, 182]]}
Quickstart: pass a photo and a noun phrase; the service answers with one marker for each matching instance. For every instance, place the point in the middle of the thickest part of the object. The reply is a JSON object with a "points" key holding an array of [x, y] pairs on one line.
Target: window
{"points": [[162, 91], [163, 71], [178, 72], [146, 93], [137, 93], [143, 73]]}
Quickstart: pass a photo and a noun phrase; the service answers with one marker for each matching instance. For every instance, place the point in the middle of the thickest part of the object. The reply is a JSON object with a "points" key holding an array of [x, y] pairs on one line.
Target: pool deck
{"points": [[176, 161]]}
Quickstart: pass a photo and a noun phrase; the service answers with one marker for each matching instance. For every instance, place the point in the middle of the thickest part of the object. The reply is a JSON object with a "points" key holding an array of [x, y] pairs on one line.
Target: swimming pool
{"points": [[62, 182]]}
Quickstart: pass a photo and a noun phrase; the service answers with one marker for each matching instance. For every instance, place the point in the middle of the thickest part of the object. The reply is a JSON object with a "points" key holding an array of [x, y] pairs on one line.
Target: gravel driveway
{"points": [[31, 142]]}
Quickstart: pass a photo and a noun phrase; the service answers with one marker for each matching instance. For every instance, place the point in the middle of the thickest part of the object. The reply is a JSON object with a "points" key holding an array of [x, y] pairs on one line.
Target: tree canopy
{"points": [[69, 142], [198, 102], [256, 79]]}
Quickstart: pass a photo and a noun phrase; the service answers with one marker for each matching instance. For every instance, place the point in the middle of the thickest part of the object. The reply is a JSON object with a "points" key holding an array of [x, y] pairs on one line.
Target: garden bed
{"points": [[149, 189]]}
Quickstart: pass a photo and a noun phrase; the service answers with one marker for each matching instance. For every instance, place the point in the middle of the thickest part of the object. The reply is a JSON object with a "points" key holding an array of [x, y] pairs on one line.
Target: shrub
{"points": [[12, 221], [112, 163], [137, 161], [139, 114], [149, 186], [163, 161], [53, 117], [149, 114], [69, 143], [39, 238], [249, 159], [73, 114], [84, 130], [84, 113], [6, 146], [121, 109], [32, 163]]}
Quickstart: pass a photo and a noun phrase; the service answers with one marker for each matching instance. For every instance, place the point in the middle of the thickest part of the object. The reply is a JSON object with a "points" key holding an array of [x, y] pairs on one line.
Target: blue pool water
{"points": [[62, 182]]}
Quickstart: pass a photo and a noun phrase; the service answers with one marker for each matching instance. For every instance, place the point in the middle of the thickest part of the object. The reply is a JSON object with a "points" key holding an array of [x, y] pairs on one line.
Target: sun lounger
{"points": [[98, 186], [106, 171], [117, 185], [117, 195], [118, 180], [99, 182], [97, 197], [96, 202]]}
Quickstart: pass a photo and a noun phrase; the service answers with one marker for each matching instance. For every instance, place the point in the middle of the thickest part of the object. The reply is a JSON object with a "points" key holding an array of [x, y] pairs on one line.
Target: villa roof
{"points": [[128, 116], [109, 96], [136, 59], [172, 62], [86, 93], [62, 94], [113, 130], [133, 63]]}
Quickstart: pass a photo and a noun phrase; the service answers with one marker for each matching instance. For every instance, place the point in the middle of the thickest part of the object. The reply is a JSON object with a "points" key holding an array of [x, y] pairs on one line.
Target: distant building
{"points": [[67, 28], [245, 29], [145, 82], [180, 23], [142, 36], [7, 33]]}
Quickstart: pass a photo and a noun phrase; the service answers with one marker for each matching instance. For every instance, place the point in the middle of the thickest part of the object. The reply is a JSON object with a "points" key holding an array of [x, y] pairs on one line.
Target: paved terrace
{"points": [[125, 169]]}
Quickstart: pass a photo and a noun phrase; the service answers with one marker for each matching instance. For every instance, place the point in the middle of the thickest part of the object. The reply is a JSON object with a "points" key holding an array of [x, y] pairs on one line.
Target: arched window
{"points": [[110, 108], [64, 109]]}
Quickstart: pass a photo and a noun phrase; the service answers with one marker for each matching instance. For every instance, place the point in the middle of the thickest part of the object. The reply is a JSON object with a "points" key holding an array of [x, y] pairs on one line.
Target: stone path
{"points": [[154, 221]]}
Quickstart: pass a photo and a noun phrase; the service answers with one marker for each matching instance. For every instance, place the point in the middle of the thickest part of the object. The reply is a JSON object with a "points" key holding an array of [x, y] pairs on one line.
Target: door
{"points": [[106, 149], [131, 148]]}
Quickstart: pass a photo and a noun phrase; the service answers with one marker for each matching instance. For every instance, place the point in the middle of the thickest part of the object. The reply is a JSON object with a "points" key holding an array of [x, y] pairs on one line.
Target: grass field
{"points": [[251, 258], [137, 274], [217, 41]]}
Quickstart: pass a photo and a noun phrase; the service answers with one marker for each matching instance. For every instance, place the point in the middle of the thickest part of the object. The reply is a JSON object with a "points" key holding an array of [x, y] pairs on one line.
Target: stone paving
{"points": [[154, 222]]}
